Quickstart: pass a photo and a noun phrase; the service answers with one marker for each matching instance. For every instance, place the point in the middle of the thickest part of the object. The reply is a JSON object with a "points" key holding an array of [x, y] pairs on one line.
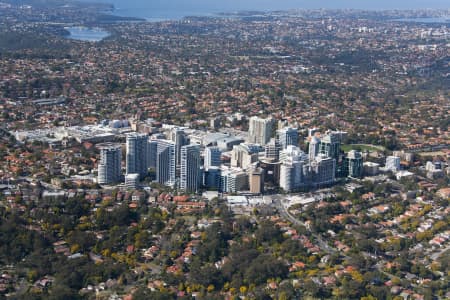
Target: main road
{"points": [[284, 212], [282, 209]]}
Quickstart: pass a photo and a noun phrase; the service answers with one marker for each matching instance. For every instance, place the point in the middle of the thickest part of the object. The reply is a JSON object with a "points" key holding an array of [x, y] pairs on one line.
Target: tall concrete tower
{"points": [[287, 136], [165, 163], [137, 154], [260, 130], [109, 168], [314, 147], [190, 168], [212, 157]]}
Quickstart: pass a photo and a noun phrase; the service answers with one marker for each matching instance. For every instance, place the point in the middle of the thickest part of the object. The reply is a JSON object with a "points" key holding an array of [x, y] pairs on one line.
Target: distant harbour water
{"points": [[82, 33], [153, 10], [159, 16], [445, 20]]}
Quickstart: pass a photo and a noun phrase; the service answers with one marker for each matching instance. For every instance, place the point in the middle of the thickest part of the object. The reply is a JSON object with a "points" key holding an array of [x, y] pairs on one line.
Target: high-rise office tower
{"points": [[314, 147], [137, 154], [190, 177], [179, 137], [291, 169], [256, 180], [165, 163], [244, 155], [287, 136], [272, 150], [324, 170], [109, 168], [212, 157], [212, 178], [354, 162], [152, 152], [292, 153], [232, 181], [291, 174], [260, 130], [330, 145]]}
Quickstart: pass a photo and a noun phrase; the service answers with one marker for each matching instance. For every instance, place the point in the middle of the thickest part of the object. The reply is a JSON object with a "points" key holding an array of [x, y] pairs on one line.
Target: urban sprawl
{"points": [[254, 155]]}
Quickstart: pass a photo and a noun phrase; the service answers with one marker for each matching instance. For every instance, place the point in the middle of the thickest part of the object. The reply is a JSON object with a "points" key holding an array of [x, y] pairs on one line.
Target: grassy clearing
{"points": [[361, 147]]}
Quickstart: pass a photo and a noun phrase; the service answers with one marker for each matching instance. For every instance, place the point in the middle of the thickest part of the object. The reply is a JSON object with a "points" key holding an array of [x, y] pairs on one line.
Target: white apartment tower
{"points": [[260, 130], [232, 181], [179, 137], [291, 175], [324, 170], [136, 161], [272, 149], [190, 168], [291, 169], [109, 168], [314, 147]]}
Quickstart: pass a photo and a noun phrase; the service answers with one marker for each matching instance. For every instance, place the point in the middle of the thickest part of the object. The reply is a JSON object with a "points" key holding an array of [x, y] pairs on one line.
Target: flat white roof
{"points": [[237, 200]]}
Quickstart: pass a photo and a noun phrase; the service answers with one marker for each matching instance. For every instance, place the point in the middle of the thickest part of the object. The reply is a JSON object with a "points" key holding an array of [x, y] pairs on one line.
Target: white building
{"points": [[272, 150], [244, 155], [292, 153], [179, 137], [190, 168], [136, 161], [132, 181], [434, 166], [291, 170], [393, 163], [314, 147], [233, 180], [260, 130], [403, 174], [324, 170], [109, 168], [291, 175]]}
